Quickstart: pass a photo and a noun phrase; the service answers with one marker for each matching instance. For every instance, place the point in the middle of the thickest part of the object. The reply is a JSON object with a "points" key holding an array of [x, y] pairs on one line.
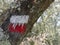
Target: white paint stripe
{"points": [[19, 19]]}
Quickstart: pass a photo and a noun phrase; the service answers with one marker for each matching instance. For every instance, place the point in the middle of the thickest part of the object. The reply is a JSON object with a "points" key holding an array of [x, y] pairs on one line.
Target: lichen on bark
{"points": [[36, 8]]}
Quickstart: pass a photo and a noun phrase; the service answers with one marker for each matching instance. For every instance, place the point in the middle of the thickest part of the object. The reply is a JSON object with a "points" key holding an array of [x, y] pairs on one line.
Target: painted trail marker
{"points": [[19, 19], [18, 23]]}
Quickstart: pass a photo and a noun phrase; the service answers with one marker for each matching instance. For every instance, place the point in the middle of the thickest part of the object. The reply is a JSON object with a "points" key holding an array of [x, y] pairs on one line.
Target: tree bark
{"points": [[39, 8]]}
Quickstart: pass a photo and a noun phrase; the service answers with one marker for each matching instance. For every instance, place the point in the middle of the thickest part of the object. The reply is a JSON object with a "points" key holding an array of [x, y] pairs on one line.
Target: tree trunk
{"points": [[39, 8]]}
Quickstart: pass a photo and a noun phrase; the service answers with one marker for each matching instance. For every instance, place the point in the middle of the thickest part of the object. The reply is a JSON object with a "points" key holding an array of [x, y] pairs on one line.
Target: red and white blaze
{"points": [[18, 23]]}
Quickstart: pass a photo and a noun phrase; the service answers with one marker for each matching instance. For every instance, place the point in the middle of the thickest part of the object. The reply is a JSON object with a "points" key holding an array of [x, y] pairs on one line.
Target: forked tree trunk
{"points": [[39, 8]]}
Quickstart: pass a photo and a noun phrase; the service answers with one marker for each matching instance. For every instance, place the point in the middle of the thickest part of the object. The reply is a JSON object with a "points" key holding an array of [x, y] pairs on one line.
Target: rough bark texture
{"points": [[37, 11]]}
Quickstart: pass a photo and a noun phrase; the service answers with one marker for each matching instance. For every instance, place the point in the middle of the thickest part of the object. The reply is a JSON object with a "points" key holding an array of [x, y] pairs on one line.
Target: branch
{"points": [[39, 9]]}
